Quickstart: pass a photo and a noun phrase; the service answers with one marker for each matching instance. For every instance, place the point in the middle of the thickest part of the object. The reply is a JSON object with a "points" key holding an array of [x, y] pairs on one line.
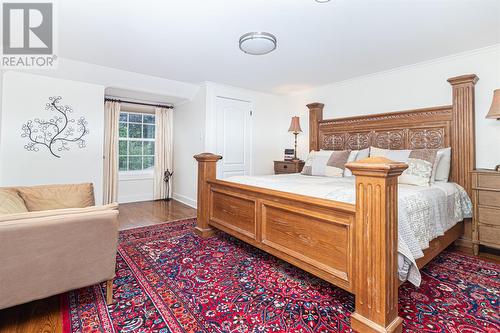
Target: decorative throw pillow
{"points": [[326, 163], [11, 202], [48, 197], [403, 155], [336, 163], [421, 163]]}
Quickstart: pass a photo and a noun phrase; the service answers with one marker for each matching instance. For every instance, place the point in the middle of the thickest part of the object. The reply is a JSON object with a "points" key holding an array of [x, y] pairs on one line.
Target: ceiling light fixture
{"points": [[322, 1], [258, 43]]}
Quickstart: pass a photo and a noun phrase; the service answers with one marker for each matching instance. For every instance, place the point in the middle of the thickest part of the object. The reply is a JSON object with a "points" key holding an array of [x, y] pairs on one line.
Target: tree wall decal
{"points": [[58, 133]]}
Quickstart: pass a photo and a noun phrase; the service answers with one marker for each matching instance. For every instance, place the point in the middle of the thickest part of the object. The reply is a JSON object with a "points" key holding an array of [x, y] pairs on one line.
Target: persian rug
{"points": [[170, 280]]}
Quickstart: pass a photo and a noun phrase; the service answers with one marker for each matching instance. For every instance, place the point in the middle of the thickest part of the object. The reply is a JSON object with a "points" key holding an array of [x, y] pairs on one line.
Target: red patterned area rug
{"points": [[169, 280]]}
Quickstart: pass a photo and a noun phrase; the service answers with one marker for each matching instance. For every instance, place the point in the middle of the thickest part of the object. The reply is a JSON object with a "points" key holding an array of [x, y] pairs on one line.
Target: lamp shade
{"points": [[295, 125], [494, 112]]}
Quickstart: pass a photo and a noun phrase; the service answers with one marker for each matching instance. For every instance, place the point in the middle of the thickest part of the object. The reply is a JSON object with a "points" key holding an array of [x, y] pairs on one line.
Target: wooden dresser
{"points": [[486, 199], [288, 166]]}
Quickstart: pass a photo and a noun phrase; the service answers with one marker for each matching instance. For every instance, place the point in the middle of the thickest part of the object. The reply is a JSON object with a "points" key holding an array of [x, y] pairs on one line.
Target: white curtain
{"points": [[163, 150], [112, 124]]}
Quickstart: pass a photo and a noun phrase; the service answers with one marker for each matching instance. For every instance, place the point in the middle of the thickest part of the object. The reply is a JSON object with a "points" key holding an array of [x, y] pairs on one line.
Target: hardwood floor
{"points": [[138, 214], [44, 316]]}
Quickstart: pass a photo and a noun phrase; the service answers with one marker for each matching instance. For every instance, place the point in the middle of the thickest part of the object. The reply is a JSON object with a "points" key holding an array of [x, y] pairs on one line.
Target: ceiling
{"points": [[318, 43]]}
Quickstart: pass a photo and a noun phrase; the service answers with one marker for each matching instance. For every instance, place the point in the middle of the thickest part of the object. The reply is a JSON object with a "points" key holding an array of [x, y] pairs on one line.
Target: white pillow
{"points": [[356, 155], [329, 163], [443, 167], [395, 155]]}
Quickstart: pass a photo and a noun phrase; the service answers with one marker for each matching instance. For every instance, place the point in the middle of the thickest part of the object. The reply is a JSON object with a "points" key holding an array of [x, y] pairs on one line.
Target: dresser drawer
{"points": [[488, 215], [488, 181], [287, 167], [490, 235], [488, 198]]}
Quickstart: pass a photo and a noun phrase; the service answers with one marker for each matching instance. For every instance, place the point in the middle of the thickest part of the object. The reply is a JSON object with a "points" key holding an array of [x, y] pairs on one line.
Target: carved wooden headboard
{"points": [[436, 127]]}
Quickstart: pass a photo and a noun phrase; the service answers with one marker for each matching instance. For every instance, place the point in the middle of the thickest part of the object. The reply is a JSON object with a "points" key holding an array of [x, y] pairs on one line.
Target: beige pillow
{"points": [[47, 197], [11, 202], [421, 163]]}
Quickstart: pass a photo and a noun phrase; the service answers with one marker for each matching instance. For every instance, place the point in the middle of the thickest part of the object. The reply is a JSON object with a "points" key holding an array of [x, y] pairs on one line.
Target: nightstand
{"points": [[288, 166], [486, 199]]}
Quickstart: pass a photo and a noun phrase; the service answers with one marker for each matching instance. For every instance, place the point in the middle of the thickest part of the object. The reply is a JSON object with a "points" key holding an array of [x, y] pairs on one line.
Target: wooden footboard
{"points": [[351, 246]]}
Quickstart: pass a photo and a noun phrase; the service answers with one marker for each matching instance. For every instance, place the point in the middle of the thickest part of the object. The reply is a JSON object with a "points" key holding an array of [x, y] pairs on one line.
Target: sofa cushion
{"points": [[46, 197], [11, 202]]}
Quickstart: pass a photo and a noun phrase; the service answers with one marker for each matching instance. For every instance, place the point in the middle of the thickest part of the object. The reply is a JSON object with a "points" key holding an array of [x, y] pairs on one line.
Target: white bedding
{"points": [[425, 212]]}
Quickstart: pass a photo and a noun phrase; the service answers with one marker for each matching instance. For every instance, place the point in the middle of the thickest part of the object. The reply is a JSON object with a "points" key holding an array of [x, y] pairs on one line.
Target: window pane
{"points": [[149, 148], [123, 130], [135, 148], [135, 118], [122, 147], [123, 163], [148, 162], [135, 163], [134, 131], [149, 118], [149, 131], [123, 116]]}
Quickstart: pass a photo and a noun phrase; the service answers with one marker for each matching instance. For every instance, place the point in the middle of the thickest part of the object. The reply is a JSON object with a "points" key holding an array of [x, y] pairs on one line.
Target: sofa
{"points": [[54, 239]]}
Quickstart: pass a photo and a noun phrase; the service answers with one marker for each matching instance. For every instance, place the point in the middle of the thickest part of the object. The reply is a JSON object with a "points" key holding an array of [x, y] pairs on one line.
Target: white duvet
{"points": [[424, 212]]}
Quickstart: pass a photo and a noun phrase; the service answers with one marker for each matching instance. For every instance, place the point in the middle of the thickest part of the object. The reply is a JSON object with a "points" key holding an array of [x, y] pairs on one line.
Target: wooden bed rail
{"points": [[355, 250]]}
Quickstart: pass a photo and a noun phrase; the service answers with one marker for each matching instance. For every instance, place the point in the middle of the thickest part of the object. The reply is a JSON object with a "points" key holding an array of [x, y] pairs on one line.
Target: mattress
{"points": [[424, 212]]}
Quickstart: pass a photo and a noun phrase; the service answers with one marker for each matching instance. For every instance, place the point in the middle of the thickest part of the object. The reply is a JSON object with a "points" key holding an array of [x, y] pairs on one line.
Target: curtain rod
{"points": [[137, 103]]}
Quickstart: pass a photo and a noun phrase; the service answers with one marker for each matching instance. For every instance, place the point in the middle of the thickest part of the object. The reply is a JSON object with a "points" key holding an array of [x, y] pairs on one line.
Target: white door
{"points": [[233, 128]]}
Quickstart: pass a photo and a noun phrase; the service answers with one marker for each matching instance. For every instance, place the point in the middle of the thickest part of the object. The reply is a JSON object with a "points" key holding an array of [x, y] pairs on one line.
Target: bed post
{"points": [[463, 145], [315, 116], [375, 277], [207, 168]]}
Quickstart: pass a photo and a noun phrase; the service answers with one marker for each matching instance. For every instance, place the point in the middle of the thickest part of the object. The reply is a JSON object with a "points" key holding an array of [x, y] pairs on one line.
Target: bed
{"points": [[351, 241]]}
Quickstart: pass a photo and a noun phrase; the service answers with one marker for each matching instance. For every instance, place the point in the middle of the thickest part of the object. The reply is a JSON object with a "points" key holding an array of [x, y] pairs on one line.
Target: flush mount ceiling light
{"points": [[257, 43], [322, 1]]}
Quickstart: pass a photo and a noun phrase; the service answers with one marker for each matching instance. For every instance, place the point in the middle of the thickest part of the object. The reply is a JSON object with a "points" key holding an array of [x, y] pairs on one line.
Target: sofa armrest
{"points": [[44, 256], [55, 212]]}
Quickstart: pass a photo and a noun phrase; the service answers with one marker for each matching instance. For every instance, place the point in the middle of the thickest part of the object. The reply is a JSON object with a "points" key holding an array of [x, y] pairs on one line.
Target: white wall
{"points": [[118, 80], [189, 140], [415, 86], [195, 132], [24, 98], [119, 83], [270, 124]]}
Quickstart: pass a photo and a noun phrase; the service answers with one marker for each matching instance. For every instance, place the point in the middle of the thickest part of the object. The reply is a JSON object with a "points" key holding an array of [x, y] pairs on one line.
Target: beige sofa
{"points": [[53, 239]]}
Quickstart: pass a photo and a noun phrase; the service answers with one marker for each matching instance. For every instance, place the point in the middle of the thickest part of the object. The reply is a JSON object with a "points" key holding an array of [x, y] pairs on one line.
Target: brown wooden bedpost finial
{"points": [[376, 282], [315, 116], [207, 168]]}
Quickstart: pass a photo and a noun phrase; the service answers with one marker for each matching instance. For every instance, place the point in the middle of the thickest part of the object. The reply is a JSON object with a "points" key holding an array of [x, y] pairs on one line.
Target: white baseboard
{"points": [[135, 198], [185, 200]]}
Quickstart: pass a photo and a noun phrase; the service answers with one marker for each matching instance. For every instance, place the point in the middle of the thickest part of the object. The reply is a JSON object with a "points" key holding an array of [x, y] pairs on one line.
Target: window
{"points": [[136, 142]]}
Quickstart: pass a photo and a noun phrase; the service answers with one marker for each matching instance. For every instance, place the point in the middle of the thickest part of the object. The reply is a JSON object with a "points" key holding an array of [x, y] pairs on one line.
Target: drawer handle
{"points": [[285, 166]]}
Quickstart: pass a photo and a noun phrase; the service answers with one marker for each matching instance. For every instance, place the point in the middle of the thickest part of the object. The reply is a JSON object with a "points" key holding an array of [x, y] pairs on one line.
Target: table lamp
{"points": [[494, 112], [295, 129]]}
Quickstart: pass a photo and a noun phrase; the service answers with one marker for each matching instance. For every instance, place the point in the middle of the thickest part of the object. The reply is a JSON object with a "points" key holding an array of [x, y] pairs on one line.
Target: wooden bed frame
{"points": [[351, 246]]}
